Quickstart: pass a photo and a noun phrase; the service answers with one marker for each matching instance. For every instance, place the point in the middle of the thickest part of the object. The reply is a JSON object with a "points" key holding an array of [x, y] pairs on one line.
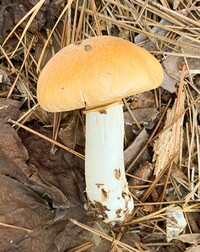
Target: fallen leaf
{"points": [[194, 249], [151, 45], [14, 157], [142, 115], [142, 173], [178, 174], [67, 133], [33, 210], [169, 83], [11, 14], [143, 100], [189, 238], [172, 63], [153, 237], [4, 77], [193, 220], [132, 150], [47, 54], [176, 4], [62, 171]]}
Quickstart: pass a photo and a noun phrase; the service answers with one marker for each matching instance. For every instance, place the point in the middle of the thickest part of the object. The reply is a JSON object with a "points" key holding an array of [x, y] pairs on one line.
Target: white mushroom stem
{"points": [[106, 184]]}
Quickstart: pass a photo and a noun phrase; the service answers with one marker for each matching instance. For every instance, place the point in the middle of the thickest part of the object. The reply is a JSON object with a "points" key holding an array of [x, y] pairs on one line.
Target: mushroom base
{"points": [[106, 184]]}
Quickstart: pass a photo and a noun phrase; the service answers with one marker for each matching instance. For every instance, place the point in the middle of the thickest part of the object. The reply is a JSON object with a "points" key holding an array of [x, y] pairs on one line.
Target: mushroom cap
{"points": [[95, 73]]}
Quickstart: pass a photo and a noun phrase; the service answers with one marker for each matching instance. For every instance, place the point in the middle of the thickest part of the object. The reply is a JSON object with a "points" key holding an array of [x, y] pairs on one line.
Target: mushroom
{"points": [[96, 74]]}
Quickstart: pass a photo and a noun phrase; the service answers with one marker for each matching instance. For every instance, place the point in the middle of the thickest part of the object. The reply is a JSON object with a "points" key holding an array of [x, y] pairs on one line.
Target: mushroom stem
{"points": [[106, 184]]}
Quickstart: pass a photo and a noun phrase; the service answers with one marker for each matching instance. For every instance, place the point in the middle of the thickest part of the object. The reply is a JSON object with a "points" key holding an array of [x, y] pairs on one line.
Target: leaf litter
{"points": [[34, 207], [42, 194]]}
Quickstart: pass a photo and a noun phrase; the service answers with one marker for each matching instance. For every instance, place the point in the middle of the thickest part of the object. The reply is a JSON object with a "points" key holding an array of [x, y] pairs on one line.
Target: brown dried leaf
{"points": [[178, 174], [13, 151], [194, 248], [143, 100], [35, 226], [169, 83], [11, 12], [172, 63], [27, 193], [131, 152], [131, 238], [8, 109], [17, 200], [193, 220], [152, 45], [61, 171], [153, 237], [47, 54], [149, 209], [189, 238], [142, 173], [4, 77], [171, 67], [142, 115], [67, 134]]}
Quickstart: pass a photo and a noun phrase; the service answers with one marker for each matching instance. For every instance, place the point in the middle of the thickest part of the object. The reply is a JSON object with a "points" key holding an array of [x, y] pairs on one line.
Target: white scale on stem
{"points": [[106, 184]]}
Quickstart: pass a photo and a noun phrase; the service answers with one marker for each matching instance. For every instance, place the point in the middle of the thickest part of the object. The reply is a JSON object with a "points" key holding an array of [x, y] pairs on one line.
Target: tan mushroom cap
{"points": [[97, 72]]}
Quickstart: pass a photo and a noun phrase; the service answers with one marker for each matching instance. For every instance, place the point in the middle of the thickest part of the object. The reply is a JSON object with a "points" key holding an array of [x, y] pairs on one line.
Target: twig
{"points": [[47, 138]]}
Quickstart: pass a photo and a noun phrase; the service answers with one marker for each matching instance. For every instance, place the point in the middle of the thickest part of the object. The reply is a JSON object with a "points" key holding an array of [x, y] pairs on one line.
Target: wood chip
{"points": [[169, 141]]}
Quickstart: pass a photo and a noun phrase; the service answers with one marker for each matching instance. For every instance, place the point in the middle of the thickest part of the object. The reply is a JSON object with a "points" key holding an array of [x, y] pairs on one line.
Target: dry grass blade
{"points": [[93, 5], [33, 11], [26, 115], [167, 203], [174, 13], [132, 115], [15, 227], [80, 21], [49, 37], [150, 139], [83, 247], [189, 196], [195, 101], [48, 139], [137, 30], [152, 186], [8, 59], [131, 19], [150, 217], [107, 237], [185, 55], [22, 66]]}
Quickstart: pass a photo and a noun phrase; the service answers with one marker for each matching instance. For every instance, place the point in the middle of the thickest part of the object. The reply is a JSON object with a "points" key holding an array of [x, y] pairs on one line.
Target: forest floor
{"points": [[42, 180]]}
